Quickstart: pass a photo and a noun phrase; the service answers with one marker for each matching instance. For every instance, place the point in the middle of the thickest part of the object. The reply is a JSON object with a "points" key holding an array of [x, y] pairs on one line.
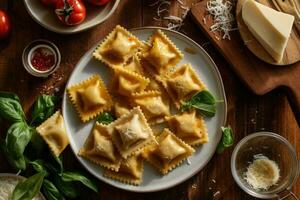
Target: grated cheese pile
{"points": [[222, 16], [163, 13], [262, 173]]}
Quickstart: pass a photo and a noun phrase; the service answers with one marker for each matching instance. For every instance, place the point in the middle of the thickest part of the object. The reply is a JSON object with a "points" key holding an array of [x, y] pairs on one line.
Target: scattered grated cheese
{"points": [[163, 10], [222, 16], [262, 173]]}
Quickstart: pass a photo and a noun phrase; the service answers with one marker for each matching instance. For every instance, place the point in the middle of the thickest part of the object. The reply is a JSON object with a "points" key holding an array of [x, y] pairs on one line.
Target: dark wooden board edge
{"points": [[267, 77]]}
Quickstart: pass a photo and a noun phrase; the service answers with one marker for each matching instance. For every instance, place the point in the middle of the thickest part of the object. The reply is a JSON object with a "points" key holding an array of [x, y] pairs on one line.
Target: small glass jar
{"points": [[41, 58], [276, 148]]}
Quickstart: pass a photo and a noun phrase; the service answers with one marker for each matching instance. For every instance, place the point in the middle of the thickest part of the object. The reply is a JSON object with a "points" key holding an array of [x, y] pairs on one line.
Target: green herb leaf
{"points": [[204, 97], [203, 101], [39, 165], [17, 138], [76, 176], [66, 188], [105, 118], [29, 188], [51, 192], [227, 139], [11, 110], [10, 95], [43, 108], [205, 109], [37, 142]]}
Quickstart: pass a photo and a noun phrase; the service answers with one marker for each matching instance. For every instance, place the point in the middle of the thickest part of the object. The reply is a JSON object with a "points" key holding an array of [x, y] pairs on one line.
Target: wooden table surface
{"points": [[247, 113]]}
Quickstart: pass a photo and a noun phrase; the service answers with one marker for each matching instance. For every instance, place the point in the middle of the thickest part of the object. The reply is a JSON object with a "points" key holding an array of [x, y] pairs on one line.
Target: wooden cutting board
{"points": [[258, 75]]}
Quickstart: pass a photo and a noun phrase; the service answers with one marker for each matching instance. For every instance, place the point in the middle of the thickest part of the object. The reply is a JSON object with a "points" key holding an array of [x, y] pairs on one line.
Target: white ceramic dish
{"points": [[152, 180], [47, 18]]}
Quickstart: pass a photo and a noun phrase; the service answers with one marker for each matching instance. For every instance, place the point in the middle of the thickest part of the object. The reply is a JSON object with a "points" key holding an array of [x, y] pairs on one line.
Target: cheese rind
{"points": [[271, 28]]}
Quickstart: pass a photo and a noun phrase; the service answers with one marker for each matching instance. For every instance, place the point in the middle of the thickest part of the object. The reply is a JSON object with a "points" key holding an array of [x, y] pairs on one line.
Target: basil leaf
{"points": [[29, 188], [66, 188], [203, 101], [43, 108], [51, 192], [37, 142], [227, 139], [39, 166], [17, 138], [10, 95], [105, 118], [78, 177], [11, 110], [19, 163], [204, 97], [58, 163], [205, 109]]}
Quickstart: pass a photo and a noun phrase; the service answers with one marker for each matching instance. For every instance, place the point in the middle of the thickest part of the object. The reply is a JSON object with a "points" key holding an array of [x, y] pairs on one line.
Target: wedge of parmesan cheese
{"points": [[271, 28]]}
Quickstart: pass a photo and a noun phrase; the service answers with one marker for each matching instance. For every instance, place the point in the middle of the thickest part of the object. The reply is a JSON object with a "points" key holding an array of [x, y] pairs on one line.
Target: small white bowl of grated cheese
{"points": [[8, 183], [265, 165]]}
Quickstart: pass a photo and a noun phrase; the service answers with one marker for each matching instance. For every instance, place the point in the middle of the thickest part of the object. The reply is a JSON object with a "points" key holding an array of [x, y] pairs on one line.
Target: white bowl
{"points": [[47, 18]]}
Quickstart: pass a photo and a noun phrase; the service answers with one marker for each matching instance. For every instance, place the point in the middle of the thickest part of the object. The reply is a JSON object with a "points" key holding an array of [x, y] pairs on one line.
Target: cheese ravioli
{"points": [[53, 132]]}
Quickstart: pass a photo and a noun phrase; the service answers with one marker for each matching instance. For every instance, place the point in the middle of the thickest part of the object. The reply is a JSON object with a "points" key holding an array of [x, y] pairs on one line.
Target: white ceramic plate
{"points": [[47, 18], [152, 180]]}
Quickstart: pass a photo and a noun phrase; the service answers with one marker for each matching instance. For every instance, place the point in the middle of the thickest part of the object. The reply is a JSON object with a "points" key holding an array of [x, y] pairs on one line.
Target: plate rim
{"points": [[68, 32], [216, 71]]}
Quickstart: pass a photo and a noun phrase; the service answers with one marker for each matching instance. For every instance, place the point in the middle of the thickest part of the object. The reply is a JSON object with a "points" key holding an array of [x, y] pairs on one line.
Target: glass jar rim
{"points": [[292, 152]]}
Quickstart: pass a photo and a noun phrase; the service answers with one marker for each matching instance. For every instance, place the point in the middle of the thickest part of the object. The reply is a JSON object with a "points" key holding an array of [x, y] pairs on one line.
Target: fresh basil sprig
{"points": [[29, 188], [227, 139], [17, 138], [203, 101], [105, 118], [78, 177], [11, 109], [43, 108], [51, 192], [66, 188]]}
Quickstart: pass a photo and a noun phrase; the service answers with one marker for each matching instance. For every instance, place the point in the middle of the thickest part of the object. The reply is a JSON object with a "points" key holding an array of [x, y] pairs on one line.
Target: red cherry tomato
{"points": [[70, 12], [4, 25], [98, 2], [50, 3]]}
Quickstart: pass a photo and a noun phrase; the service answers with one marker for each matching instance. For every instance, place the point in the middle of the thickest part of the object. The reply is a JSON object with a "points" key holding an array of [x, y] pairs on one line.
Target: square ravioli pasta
{"points": [[118, 47], [161, 54], [99, 148], [189, 127], [131, 132], [126, 83], [130, 171], [182, 84], [154, 104], [169, 153], [90, 97], [53, 132]]}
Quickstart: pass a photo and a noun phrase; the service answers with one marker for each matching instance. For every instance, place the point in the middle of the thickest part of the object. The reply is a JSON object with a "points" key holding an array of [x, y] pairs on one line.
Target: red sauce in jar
{"points": [[42, 59]]}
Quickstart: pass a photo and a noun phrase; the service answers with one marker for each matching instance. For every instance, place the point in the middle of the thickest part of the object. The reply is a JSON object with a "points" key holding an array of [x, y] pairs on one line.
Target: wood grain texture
{"points": [[259, 76], [292, 51], [247, 113]]}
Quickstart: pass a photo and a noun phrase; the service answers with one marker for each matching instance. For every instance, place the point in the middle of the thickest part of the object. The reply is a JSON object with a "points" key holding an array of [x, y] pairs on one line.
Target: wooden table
{"points": [[247, 113]]}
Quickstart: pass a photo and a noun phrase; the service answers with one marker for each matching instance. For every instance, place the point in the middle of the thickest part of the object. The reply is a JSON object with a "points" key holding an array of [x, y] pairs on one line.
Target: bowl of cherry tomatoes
{"points": [[70, 16]]}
